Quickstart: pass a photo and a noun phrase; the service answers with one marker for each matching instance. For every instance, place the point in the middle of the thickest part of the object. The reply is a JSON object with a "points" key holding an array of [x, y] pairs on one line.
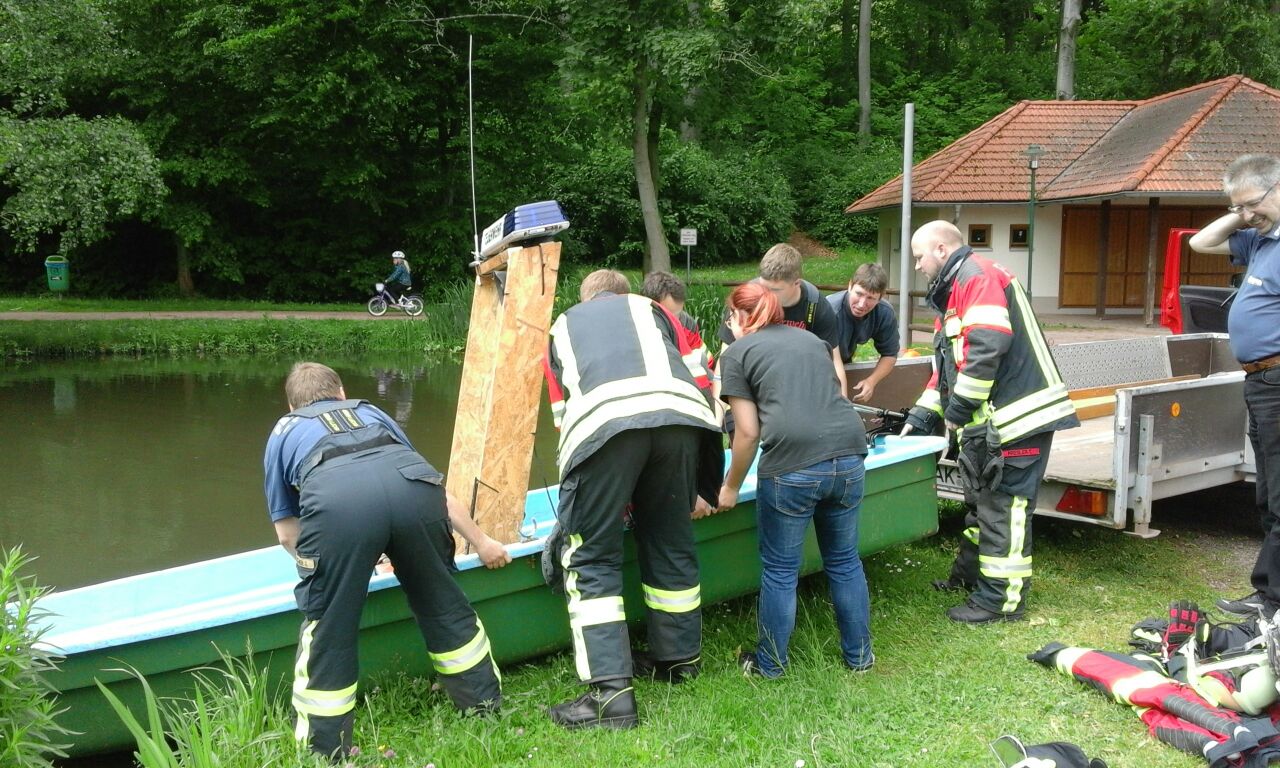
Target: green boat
{"points": [[166, 623]]}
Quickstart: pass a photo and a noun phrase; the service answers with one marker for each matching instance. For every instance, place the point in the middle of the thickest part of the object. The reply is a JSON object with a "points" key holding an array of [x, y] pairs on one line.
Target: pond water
{"points": [[112, 468]]}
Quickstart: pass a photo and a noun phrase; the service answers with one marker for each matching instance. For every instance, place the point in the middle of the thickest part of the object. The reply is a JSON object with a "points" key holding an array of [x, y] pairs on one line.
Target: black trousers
{"points": [[354, 508], [1262, 398], [995, 550], [654, 470]]}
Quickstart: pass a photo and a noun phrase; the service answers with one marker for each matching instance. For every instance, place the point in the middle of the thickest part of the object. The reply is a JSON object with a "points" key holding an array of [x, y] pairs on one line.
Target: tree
{"points": [[62, 173], [1066, 88]]}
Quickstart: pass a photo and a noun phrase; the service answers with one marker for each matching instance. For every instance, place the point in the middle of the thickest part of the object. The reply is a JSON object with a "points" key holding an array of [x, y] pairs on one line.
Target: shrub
{"points": [[28, 732]]}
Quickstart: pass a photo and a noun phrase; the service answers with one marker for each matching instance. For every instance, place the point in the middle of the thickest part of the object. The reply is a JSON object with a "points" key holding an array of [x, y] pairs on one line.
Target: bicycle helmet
{"points": [[397, 254]]}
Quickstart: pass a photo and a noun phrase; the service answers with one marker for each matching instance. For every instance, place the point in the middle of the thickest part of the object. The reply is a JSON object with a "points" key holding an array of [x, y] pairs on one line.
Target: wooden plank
{"points": [[501, 386], [1084, 455], [1091, 392]]}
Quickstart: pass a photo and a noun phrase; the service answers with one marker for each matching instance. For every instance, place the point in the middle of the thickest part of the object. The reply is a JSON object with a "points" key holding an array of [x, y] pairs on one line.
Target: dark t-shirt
{"points": [[880, 324], [788, 374], [824, 319]]}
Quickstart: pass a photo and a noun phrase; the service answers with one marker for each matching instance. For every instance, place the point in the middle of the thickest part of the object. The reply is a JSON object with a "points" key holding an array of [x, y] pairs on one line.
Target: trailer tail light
{"points": [[1083, 501]]}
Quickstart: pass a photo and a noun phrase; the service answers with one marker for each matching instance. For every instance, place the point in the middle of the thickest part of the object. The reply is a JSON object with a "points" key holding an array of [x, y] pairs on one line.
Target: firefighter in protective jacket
{"points": [[344, 486], [996, 387], [630, 398]]}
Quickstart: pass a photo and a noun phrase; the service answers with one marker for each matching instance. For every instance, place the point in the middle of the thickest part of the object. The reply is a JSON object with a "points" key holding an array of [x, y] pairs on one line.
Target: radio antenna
{"points": [[471, 141]]}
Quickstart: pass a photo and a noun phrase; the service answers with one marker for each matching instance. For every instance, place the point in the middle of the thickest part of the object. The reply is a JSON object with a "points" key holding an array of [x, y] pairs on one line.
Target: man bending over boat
{"points": [[343, 486], [631, 400]]}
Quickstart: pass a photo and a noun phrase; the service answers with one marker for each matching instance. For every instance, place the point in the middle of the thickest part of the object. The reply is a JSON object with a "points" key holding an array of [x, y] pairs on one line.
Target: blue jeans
{"points": [[829, 492]]}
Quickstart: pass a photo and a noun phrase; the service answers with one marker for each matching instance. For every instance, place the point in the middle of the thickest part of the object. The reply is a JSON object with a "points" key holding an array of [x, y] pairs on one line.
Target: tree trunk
{"points": [[186, 286], [657, 256], [1067, 50], [845, 67], [864, 68]]}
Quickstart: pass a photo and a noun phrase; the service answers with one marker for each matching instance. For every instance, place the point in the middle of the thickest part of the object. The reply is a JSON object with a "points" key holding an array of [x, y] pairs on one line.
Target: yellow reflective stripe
{"points": [[1015, 429], [302, 728], [1034, 335], [460, 660], [598, 610], [325, 703], [624, 399], [992, 315], [973, 388], [1004, 567], [557, 413], [350, 417], [1124, 688], [931, 400], [694, 361], [951, 327], [1017, 542], [331, 423], [672, 601], [1066, 658], [580, 659], [971, 534], [1011, 412]]}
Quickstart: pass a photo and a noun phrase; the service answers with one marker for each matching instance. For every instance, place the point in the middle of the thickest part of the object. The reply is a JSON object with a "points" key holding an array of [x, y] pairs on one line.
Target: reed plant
{"points": [[29, 735], [234, 718]]}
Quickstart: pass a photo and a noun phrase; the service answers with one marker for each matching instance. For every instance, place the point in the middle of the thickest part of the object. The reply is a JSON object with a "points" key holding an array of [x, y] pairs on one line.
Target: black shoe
{"points": [[1250, 605], [609, 704], [951, 585], [675, 672], [972, 613]]}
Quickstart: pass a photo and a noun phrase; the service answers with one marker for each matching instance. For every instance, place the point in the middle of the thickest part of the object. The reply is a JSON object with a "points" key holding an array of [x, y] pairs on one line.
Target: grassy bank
{"points": [[938, 694], [441, 331]]}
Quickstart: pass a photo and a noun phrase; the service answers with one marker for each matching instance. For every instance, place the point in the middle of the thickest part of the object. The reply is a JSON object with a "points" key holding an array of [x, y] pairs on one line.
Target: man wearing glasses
{"points": [[1250, 235]]}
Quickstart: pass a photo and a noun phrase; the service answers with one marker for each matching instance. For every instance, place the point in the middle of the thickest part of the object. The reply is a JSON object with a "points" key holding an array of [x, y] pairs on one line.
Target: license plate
{"points": [[948, 479]]}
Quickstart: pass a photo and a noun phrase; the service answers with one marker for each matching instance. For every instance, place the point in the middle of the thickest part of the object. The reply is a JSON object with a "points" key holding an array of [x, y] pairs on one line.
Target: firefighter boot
{"points": [[606, 704], [675, 671], [972, 613]]}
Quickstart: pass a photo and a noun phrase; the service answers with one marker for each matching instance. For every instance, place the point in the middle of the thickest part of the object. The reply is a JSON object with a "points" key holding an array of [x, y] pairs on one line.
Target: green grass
{"points": [[56, 303], [938, 694]]}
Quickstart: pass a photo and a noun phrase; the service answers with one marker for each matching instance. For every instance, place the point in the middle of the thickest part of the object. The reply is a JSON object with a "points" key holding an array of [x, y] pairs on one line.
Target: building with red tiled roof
{"points": [[1113, 179]]}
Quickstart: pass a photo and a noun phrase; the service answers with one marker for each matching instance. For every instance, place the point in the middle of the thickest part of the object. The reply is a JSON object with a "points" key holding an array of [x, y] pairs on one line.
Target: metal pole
{"points": [[906, 270], [688, 265], [1031, 228]]}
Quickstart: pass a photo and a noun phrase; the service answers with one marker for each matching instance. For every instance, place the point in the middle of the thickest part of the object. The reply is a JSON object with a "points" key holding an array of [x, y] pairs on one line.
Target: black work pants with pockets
{"points": [[654, 470]]}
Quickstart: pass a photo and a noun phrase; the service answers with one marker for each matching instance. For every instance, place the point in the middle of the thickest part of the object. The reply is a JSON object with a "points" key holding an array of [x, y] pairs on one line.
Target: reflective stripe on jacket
{"points": [[617, 363], [993, 357]]}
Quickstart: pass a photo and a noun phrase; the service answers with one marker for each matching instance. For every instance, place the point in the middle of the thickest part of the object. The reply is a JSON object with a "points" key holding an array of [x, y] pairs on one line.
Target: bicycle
{"points": [[409, 303]]}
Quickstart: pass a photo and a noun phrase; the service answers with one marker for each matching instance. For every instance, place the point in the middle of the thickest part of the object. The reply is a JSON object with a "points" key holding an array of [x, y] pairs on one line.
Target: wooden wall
{"points": [[1127, 253]]}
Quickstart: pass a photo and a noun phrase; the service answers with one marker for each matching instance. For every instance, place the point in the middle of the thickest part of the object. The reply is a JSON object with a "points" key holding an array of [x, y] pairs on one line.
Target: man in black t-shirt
{"points": [[860, 317], [781, 271]]}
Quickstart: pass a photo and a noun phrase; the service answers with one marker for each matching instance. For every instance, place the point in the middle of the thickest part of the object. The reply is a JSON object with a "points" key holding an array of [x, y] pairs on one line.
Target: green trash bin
{"points": [[58, 273]]}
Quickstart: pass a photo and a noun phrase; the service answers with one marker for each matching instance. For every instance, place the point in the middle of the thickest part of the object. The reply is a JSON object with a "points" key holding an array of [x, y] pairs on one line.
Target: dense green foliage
{"points": [[29, 736], [280, 149]]}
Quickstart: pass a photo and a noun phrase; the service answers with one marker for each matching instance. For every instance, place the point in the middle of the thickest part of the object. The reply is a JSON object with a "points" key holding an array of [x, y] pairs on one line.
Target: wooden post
{"points": [[501, 386], [1153, 238], [1104, 243]]}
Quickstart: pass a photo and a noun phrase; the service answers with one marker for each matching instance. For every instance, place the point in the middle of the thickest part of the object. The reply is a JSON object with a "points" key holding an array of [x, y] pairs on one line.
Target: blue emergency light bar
{"points": [[522, 224]]}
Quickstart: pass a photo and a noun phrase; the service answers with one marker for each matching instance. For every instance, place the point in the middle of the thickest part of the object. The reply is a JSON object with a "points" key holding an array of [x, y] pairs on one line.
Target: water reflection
{"points": [[119, 467]]}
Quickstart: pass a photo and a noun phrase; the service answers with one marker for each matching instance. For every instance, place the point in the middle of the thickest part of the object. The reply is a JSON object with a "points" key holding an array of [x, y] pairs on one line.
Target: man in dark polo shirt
{"points": [[861, 317], [1250, 235]]}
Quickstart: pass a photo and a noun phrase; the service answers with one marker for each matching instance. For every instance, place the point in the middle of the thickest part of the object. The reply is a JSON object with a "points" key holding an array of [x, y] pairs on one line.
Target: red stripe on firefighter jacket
{"points": [[991, 359], [617, 363]]}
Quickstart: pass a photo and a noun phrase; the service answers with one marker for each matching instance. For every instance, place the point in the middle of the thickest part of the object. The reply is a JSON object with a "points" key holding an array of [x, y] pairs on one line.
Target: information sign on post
{"points": [[688, 238]]}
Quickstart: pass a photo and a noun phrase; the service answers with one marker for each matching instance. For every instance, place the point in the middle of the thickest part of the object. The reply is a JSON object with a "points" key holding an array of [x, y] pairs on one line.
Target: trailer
{"points": [[1160, 416]]}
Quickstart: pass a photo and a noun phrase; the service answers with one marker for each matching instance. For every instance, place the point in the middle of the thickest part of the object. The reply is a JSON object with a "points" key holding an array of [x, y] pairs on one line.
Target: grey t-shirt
{"points": [[787, 373]]}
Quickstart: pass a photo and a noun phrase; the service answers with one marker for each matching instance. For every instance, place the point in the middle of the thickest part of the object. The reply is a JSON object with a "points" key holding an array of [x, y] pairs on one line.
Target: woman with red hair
{"points": [[781, 384]]}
